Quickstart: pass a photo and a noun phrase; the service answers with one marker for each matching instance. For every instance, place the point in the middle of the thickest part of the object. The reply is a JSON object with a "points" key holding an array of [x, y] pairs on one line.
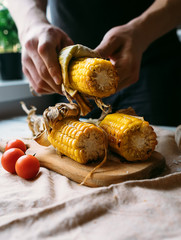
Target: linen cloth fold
{"points": [[54, 207]]}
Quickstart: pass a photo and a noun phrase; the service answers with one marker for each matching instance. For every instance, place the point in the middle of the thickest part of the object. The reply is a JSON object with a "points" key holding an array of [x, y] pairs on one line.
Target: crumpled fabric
{"points": [[54, 207]]}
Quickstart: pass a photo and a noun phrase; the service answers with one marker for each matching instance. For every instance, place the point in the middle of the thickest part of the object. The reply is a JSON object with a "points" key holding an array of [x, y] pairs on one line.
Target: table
{"points": [[53, 207], [14, 127]]}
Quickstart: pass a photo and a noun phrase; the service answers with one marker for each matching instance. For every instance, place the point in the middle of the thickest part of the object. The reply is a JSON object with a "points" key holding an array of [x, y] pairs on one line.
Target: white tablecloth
{"points": [[54, 207]]}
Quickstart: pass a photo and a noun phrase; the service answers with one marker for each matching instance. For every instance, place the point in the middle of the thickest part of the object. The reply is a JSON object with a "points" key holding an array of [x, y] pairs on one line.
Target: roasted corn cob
{"points": [[93, 76], [85, 74], [129, 136], [80, 141]]}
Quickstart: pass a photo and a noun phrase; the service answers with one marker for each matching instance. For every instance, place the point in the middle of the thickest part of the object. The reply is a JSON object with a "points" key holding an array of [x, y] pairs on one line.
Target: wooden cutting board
{"points": [[115, 170]]}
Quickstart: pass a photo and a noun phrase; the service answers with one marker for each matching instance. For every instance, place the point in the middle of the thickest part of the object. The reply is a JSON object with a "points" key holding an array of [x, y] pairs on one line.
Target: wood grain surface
{"points": [[115, 170]]}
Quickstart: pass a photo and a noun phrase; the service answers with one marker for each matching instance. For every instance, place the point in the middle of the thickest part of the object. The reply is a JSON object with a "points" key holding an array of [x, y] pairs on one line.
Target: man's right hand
{"points": [[40, 48]]}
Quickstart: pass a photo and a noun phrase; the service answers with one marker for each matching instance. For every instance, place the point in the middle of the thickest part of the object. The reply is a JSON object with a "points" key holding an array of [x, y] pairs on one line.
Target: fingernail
{"points": [[57, 80]]}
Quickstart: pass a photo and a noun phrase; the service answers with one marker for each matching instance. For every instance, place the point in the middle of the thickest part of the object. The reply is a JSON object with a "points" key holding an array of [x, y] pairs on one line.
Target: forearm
{"points": [[161, 17], [27, 13]]}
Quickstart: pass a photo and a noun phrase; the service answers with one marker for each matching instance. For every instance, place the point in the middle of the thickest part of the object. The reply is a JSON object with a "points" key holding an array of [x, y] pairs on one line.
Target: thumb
{"points": [[105, 48]]}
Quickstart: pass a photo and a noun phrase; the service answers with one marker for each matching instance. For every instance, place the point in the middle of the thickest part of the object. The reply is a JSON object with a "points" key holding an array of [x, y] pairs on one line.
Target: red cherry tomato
{"points": [[27, 166], [16, 143], [9, 158]]}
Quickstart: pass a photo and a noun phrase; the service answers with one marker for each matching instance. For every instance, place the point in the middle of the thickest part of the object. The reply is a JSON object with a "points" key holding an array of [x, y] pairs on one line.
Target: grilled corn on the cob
{"points": [[85, 74], [80, 141], [129, 136], [93, 76]]}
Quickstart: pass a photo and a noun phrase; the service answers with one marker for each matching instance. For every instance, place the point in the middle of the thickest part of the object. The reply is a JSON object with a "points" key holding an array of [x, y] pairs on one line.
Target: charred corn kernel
{"points": [[93, 76], [129, 136], [80, 141]]}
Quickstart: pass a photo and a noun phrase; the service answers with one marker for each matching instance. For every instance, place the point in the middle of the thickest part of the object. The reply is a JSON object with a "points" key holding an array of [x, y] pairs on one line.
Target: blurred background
{"points": [[10, 48]]}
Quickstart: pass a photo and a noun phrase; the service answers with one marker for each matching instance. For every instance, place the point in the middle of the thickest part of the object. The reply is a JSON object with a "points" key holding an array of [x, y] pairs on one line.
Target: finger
{"points": [[109, 45], [29, 68], [33, 83], [124, 83], [117, 56], [40, 66], [38, 84], [122, 69], [104, 49], [126, 77], [49, 56], [66, 42], [43, 72]]}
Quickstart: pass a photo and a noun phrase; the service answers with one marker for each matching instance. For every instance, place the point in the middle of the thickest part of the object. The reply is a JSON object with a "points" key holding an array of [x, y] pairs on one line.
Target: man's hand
{"points": [[123, 47], [40, 47]]}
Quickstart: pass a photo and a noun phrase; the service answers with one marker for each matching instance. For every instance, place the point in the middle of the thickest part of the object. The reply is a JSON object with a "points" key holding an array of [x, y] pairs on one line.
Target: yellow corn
{"points": [[129, 136], [93, 76], [80, 141]]}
